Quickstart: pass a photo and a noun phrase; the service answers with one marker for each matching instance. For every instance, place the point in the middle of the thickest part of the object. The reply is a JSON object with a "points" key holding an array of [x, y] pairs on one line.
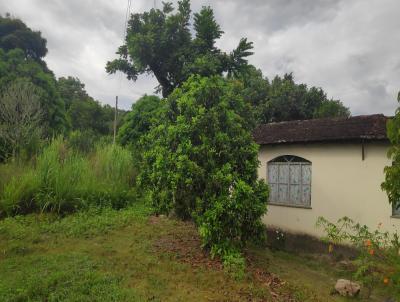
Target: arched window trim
{"points": [[289, 158], [289, 178]]}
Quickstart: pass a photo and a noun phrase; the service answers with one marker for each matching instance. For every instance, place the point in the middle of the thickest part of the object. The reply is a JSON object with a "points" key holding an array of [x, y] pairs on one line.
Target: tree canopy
{"points": [[145, 113], [16, 34], [160, 42], [282, 99], [82, 111]]}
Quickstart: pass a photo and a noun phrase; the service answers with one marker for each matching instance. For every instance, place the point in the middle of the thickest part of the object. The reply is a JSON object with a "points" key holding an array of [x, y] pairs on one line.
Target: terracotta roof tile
{"points": [[367, 127]]}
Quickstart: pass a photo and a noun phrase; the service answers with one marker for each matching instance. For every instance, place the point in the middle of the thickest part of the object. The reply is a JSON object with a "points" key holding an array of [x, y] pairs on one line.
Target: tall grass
{"points": [[63, 180]]}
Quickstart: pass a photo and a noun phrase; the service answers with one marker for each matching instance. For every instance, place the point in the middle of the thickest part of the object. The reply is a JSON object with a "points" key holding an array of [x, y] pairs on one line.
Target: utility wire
{"points": [[127, 16]]}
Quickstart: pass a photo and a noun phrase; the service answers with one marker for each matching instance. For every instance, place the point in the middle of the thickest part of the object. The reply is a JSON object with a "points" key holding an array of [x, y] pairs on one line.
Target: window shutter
{"points": [[396, 211], [306, 184], [289, 180]]}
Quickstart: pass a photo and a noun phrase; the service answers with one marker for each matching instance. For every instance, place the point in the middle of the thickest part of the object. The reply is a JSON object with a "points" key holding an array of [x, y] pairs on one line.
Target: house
{"points": [[330, 167]]}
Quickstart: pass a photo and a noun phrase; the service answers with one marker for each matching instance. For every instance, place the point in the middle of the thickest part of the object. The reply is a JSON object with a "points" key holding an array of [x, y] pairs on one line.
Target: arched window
{"points": [[289, 179]]}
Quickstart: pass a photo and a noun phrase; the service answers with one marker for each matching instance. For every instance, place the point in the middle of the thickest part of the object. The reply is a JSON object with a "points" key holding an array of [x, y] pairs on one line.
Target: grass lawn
{"points": [[128, 255]]}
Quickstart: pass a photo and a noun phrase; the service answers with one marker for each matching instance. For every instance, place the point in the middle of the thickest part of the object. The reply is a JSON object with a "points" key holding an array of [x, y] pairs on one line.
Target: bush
{"points": [[202, 164], [378, 260], [64, 181], [234, 264]]}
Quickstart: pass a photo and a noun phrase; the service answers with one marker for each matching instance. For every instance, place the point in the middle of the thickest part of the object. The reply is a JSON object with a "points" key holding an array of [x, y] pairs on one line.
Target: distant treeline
{"points": [[56, 106]]}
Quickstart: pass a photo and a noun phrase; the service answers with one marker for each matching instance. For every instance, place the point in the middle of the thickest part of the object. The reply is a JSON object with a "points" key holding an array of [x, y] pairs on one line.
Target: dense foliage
{"points": [[161, 42], [202, 164], [83, 112], [392, 173], [15, 34], [144, 114], [282, 99]]}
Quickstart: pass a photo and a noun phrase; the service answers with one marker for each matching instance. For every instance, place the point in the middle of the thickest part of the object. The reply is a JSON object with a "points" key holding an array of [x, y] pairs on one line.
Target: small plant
{"points": [[378, 259], [234, 265], [278, 240]]}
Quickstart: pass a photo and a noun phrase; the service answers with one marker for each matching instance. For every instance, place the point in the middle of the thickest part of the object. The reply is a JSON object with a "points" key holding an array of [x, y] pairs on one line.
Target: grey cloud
{"points": [[275, 15], [349, 48]]}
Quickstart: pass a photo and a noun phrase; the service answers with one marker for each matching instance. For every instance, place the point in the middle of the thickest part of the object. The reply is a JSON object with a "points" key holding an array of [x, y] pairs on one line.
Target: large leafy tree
{"points": [[202, 163], [160, 42], [15, 66], [16, 34]]}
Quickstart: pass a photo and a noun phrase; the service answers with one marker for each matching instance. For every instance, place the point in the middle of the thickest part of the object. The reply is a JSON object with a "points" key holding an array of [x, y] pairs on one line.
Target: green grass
{"points": [[125, 255], [59, 277], [62, 180]]}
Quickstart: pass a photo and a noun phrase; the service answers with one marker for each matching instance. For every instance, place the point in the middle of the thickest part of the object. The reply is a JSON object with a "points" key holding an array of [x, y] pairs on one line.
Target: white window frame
{"points": [[289, 160]]}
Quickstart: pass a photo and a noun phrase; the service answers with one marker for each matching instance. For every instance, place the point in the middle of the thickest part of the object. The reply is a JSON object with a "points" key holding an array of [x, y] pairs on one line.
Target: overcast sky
{"points": [[350, 48]]}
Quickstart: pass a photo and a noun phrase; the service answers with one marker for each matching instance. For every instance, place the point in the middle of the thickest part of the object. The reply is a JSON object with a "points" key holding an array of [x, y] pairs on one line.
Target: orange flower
{"points": [[367, 242], [330, 248], [386, 280], [371, 252]]}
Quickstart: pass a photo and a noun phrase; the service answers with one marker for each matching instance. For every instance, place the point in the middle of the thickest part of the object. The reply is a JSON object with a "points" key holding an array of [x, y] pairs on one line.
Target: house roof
{"points": [[356, 128]]}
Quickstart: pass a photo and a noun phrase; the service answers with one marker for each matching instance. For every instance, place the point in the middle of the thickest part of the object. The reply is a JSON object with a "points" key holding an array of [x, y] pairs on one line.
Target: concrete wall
{"points": [[342, 185]]}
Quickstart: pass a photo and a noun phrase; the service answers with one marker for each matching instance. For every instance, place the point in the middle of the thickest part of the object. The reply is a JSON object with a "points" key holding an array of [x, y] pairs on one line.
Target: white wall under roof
{"points": [[342, 185]]}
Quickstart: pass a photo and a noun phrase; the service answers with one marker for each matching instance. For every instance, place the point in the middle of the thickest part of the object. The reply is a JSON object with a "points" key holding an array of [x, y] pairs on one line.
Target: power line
{"points": [[127, 16]]}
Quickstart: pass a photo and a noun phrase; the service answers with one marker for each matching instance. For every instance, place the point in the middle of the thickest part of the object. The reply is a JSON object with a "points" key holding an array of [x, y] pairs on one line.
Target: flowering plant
{"points": [[378, 259]]}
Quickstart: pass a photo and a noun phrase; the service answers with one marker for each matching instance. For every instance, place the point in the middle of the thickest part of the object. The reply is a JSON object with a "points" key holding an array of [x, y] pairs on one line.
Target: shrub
{"points": [[378, 260], [202, 164]]}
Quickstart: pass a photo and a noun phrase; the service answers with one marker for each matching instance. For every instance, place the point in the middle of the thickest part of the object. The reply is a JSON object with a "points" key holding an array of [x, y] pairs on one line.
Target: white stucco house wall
{"points": [[326, 167]]}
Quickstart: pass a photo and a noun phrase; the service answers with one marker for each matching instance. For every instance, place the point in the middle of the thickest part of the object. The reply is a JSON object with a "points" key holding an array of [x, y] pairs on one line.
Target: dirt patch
{"points": [[269, 280], [184, 243]]}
